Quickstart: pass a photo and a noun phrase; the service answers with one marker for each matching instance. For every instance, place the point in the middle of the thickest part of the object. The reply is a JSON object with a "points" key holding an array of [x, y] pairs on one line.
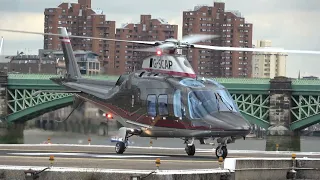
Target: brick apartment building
{"points": [[80, 19], [117, 58], [120, 57], [233, 31], [128, 60]]}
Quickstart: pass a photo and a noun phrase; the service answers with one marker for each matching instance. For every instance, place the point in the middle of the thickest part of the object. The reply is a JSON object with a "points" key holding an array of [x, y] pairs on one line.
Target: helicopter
{"points": [[165, 99]]}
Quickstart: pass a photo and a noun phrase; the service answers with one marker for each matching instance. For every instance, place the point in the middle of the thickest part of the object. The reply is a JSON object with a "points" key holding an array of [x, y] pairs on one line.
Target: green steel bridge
{"points": [[251, 95]]}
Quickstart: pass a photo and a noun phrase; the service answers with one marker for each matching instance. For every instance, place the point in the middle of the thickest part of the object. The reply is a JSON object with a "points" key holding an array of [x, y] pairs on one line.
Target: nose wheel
{"points": [[190, 150], [120, 147], [221, 151]]}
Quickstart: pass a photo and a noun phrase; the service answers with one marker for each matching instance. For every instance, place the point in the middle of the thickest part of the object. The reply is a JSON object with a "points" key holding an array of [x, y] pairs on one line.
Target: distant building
{"points": [[126, 59], [4, 63], [32, 64], [310, 77], [88, 62], [80, 19], [233, 30], [268, 64], [51, 62]]}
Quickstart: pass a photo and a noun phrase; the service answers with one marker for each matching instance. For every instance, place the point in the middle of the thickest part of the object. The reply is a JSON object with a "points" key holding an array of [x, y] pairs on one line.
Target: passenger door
{"points": [[163, 105], [152, 105]]}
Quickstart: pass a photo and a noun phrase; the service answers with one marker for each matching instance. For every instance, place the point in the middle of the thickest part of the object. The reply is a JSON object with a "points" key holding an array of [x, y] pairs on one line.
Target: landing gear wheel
{"points": [[120, 147], [221, 151], [190, 150]]}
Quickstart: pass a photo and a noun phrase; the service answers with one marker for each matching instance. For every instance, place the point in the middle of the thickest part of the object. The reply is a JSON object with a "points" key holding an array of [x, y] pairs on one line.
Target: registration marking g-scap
{"points": [[160, 63]]}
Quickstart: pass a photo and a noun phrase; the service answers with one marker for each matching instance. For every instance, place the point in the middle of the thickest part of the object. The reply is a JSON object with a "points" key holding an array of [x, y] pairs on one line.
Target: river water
{"points": [[36, 136]]}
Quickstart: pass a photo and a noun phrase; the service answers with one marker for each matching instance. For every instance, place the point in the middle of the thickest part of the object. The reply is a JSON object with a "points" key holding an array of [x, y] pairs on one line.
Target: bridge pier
{"points": [[290, 142], [10, 133], [279, 132]]}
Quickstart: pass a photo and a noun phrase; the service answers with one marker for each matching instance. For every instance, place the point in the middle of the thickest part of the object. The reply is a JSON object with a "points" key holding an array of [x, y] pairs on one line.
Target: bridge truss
{"points": [[24, 105]]}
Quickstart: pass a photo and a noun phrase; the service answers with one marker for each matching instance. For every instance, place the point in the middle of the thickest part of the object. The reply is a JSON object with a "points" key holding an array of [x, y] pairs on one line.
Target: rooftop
{"points": [[124, 25], [162, 21], [236, 13], [196, 8], [98, 11]]}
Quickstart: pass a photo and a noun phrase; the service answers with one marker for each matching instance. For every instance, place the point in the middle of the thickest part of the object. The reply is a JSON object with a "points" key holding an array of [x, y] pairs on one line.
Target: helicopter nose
{"points": [[247, 126], [243, 124], [230, 121]]}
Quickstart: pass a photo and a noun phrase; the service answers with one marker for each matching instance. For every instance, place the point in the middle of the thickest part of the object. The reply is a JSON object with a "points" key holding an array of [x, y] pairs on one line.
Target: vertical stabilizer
{"points": [[70, 60], [1, 45]]}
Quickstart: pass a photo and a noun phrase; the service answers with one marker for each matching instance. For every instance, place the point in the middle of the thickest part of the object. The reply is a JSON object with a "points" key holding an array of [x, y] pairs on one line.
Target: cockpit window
{"points": [[177, 103], [226, 96], [163, 105], [178, 107], [204, 102]]}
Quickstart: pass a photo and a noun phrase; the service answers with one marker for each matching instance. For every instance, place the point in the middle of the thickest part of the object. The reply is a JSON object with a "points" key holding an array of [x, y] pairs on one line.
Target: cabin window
{"points": [[177, 103], [163, 105], [151, 105]]}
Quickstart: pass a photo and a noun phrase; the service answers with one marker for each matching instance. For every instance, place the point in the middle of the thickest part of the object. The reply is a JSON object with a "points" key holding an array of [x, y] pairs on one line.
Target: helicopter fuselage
{"points": [[167, 106]]}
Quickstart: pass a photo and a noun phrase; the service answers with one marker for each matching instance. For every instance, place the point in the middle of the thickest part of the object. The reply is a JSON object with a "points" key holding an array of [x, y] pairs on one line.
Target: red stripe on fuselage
{"points": [[174, 73]]}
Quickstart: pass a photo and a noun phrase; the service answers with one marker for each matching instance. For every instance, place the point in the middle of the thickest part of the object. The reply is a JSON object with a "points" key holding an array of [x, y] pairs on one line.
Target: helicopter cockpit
{"points": [[204, 102], [203, 98]]}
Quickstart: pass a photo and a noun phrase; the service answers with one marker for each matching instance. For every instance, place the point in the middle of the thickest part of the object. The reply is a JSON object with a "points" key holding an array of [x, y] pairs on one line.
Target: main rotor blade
{"points": [[190, 39], [155, 49], [81, 37], [151, 49], [166, 45], [255, 49]]}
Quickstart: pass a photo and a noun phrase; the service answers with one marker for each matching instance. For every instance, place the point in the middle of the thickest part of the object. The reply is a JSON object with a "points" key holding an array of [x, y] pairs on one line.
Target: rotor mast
{"points": [[175, 50]]}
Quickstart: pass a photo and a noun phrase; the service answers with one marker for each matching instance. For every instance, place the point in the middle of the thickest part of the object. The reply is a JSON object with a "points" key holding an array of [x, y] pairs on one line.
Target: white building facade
{"points": [[268, 64]]}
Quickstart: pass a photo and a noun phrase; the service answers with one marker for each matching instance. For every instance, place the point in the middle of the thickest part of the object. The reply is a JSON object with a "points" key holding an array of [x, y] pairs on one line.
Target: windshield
{"points": [[203, 102]]}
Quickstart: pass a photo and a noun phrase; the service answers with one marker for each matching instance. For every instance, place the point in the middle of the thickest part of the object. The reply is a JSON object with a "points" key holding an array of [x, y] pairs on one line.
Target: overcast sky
{"points": [[291, 24]]}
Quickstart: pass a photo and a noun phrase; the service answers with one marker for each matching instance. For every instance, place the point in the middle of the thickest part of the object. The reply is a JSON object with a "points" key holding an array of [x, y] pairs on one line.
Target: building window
{"points": [[151, 105]]}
